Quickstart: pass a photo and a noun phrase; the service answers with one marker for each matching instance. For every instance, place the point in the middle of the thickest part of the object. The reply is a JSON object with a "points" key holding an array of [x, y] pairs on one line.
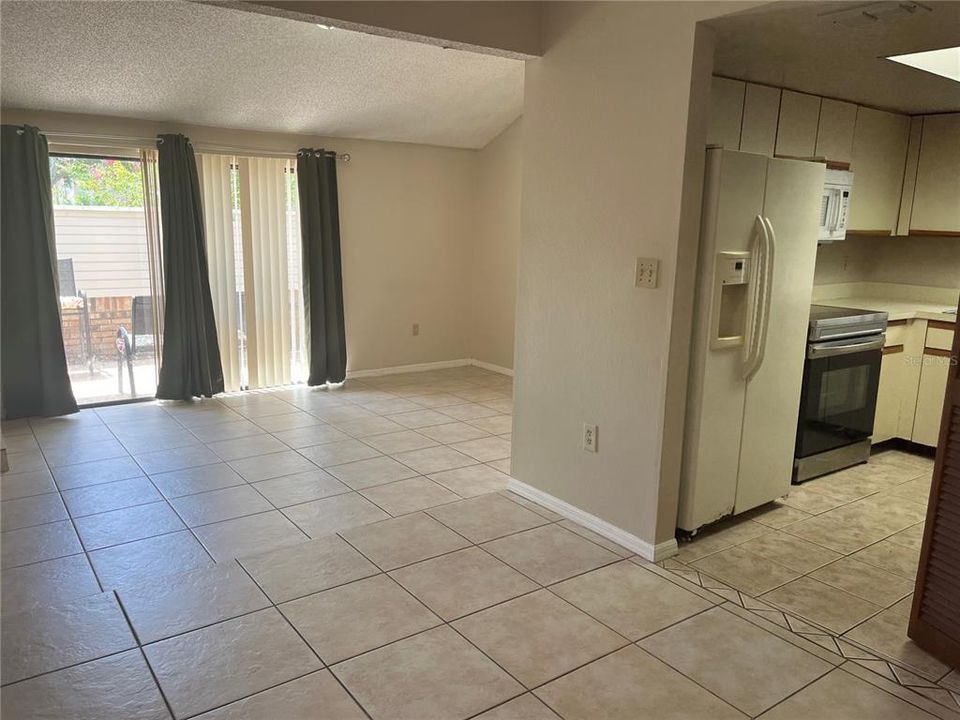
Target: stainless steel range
{"points": [[839, 397]]}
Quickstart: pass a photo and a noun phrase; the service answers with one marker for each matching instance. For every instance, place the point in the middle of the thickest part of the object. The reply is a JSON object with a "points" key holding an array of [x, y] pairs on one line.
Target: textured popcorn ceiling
{"points": [[191, 63]]}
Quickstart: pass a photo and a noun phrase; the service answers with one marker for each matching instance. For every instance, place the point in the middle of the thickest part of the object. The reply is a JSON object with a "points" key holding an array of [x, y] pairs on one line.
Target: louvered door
{"points": [[935, 618]]}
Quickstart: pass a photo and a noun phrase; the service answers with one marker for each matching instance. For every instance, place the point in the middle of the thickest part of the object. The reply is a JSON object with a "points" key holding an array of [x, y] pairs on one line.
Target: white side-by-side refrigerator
{"points": [[758, 249]]}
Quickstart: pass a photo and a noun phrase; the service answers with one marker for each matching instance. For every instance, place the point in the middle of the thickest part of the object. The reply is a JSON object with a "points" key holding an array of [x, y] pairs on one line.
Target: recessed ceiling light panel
{"points": [[944, 62]]}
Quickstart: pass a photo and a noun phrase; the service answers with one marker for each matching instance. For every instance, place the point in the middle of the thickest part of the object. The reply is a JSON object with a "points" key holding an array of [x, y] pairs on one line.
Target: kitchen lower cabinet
{"points": [[933, 389], [913, 376], [894, 379]]}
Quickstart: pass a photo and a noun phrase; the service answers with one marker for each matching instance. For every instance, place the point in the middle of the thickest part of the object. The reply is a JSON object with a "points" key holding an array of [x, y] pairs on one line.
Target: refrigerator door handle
{"points": [[753, 295], [760, 311], [769, 258]]}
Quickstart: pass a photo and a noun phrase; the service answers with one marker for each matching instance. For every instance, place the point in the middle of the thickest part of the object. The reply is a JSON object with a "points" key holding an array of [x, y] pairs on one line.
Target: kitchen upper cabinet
{"points": [[797, 126], [910, 175], [906, 170], [936, 197], [761, 110], [835, 132], [726, 112], [878, 158]]}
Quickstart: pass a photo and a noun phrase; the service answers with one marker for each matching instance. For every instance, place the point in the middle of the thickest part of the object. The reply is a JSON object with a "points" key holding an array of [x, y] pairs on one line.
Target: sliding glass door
{"points": [[107, 277]]}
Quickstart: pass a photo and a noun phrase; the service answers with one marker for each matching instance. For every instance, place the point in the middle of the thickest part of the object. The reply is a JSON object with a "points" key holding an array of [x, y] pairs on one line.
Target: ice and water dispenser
{"points": [[731, 282]]}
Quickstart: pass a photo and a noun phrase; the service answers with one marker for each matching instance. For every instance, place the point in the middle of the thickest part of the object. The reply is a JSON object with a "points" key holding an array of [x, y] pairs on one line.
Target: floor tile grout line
{"points": [[693, 680], [762, 598], [833, 634], [502, 703], [831, 667], [539, 587], [444, 623], [258, 692], [549, 522], [156, 682], [818, 678], [898, 684], [172, 509], [793, 633], [691, 563], [76, 531], [783, 529], [115, 653], [324, 665]]}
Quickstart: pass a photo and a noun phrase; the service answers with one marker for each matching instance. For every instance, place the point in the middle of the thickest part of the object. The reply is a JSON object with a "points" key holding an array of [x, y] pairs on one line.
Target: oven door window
{"points": [[839, 401], [843, 391]]}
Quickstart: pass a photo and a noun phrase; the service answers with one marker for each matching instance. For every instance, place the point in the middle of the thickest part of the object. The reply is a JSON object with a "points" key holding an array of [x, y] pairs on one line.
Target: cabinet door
{"points": [[933, 388], [761, 109], [797, 127], [893, 383], [726, 113], [835, 132], [936, 198], [879, 155], [910, 175]]}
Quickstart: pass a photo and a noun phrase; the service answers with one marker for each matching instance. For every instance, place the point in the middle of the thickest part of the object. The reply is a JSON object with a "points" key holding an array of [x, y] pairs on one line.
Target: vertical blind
{"points": [[216, 183], [252, 224], [151, 214]]}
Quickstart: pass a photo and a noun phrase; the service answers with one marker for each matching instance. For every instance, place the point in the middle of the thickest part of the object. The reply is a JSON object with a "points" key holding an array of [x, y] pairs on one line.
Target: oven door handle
{"points": [[816, 351]]}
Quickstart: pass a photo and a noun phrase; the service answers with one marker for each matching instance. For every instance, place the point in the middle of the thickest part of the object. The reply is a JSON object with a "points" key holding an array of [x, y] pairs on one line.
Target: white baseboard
{"points": [[420, 367], [493, 368], [417, 367], [653, 553]]}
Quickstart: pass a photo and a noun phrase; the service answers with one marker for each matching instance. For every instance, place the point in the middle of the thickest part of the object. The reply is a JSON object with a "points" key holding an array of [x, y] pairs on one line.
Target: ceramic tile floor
{"points": [[354, 553], [839, 552]]}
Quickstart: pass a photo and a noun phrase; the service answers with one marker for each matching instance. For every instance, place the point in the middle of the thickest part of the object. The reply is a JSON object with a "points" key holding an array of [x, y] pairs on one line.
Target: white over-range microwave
{"points": [[835, 205]]}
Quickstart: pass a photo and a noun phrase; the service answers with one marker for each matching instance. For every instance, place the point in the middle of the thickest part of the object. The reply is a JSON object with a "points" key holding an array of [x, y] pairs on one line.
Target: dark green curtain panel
{"points": [[322, 276], [190, 366], [33, 361]]}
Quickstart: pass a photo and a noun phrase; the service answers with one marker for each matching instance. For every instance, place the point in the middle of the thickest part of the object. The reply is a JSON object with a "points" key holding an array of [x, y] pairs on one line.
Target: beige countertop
{"points": [[897, 309]]}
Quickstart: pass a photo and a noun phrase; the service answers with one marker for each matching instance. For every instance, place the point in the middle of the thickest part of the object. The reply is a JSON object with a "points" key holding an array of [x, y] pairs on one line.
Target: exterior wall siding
{"points": [[108, 247]]}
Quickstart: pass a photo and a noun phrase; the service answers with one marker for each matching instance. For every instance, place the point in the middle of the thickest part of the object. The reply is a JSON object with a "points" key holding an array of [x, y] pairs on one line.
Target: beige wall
{"points": [[926, 261], [409, 218], [493, 260], [605, 139]]}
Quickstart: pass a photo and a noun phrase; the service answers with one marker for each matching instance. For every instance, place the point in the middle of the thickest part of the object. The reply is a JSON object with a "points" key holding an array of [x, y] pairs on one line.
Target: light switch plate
{"points": [[648, 272], [589, 443]]}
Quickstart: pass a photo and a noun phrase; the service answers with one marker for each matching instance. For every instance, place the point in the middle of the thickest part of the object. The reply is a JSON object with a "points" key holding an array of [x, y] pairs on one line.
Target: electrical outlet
{"points": [[416, 329], [648, 272], [589, 438]]}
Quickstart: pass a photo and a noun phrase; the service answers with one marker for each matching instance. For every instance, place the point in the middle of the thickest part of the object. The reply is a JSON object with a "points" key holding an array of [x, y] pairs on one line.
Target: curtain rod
{"points": [[66, 137]]}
